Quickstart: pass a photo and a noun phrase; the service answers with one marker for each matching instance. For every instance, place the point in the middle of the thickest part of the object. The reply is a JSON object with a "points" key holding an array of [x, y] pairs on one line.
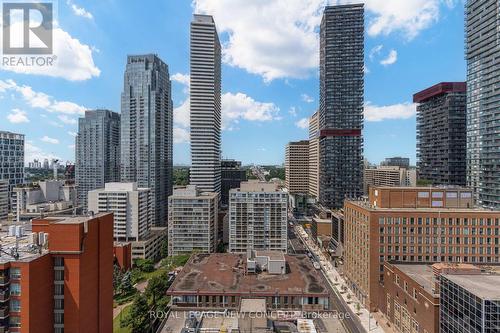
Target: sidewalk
{"points": [[369, 321]]}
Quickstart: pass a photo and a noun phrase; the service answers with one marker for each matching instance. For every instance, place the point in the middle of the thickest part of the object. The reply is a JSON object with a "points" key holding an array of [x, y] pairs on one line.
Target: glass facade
{"points": [[341, 104], [461, 310], [146, 130], [483, 100]]}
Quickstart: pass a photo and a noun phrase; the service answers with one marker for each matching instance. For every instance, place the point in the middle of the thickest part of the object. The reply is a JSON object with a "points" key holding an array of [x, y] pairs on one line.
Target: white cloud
{"points": [[375, 51], [32, 152], [72, 60], [181, 135], [409, 17], [239, 106], [41, 100], [375, 113], [73, 134], [306, 98], [293, 111], [392, 57], [302, 123], [180, 78], [181, 114], [67, 120], [265, 36], [18, 116], [79, 11], [72, 147], [50, 140]]}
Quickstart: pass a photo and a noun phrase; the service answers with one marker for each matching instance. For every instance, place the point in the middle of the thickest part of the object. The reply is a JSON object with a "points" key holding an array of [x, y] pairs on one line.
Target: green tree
{"points": [[126, 282], [117, 278], [164, 249], [137, 318], [145, 265], [157, 288]]}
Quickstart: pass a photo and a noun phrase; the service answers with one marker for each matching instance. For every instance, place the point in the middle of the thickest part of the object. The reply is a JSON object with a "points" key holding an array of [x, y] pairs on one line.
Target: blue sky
{"points": [[270, 73]]}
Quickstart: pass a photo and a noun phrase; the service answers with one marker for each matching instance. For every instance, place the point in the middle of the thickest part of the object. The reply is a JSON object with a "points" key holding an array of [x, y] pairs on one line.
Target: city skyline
{"points": [[262, 111]]}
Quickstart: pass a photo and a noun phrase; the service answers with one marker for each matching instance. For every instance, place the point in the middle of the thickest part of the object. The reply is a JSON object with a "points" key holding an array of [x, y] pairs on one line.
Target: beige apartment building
{"points": [[257, 217], [389, 176], [414, 224], [192, 221], [297, 167]]}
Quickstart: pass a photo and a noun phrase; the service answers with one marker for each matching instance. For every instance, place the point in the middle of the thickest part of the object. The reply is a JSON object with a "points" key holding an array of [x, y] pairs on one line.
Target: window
{"points": [[15, 273], [15, 289]]}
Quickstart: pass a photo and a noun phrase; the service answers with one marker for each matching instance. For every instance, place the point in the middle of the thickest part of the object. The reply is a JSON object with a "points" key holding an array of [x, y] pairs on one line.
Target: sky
{"points": [[270, 75]]}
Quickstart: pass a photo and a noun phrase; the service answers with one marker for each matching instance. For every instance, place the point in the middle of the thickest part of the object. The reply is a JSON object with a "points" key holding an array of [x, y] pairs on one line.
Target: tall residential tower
{"points": [[441, 141], [205, 105], [146, 130], [97, 152], [341, 104], [483, 100]]}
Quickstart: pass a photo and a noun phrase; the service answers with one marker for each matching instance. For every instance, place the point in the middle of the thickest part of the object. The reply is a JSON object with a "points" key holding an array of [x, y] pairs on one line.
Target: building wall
{"points": [[132, 208], [313, 178], [97, 152], [341, 104], [231, 177], [441, 134], [205, 104], [407, 304], [257, 220], [86, 247], [146, 152], [4, 199], [12, 160], [192, 222], [123, 255], [297, 167], [388, 176], [373, 236], [482, 50]]}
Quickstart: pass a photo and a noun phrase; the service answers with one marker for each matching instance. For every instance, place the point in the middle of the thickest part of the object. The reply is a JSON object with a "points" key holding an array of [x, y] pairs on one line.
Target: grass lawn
{"points": [[116, 321]]}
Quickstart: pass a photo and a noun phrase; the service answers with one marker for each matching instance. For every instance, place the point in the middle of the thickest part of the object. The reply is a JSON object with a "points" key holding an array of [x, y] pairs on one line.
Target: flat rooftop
{"points": [[26, 249], [225, 273], [421, 274], [485, 286], [273, 255]]}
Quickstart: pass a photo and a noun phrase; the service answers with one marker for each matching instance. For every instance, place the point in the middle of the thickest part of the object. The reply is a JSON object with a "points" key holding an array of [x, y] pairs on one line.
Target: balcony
{"points": [[4, 296], [4, 329], [4, 280], [4, 312]]}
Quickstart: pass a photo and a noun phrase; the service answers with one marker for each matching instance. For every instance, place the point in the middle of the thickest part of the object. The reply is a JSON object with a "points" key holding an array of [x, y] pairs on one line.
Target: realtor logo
{"points": [[27, 28]]}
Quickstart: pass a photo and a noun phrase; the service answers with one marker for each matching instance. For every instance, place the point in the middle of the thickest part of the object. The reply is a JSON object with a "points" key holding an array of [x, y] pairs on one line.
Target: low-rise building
{"points": [[410, 294], [422, 225], [258, 217], [469, 303], [222, 281], [50, 197], [59, 278], [192, 221]]}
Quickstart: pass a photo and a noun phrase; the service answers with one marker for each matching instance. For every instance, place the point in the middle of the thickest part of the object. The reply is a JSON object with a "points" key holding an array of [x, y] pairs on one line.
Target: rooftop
{"points": [[26, 251], [484, 286], [421, 274], [439, 89], [257, 186], [226, 273]]}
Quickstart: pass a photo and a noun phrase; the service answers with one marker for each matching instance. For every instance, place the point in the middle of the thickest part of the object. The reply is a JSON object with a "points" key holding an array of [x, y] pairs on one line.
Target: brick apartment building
{"points": [[58, 278], [412, 294], [420, 225]]}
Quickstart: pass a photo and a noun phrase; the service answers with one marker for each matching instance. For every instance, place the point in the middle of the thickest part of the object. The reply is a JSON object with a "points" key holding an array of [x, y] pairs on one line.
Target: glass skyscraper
{"points": [[341, 104], [483, 100], [97, 151], [146, 130]]}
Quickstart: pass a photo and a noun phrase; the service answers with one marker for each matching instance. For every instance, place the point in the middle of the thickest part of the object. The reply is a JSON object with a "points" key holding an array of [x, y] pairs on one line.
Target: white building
{"points": [[389, 176], [257, 217], [131, 206], [313, 169], [48, 197], [205, 104], [192, 221]]}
